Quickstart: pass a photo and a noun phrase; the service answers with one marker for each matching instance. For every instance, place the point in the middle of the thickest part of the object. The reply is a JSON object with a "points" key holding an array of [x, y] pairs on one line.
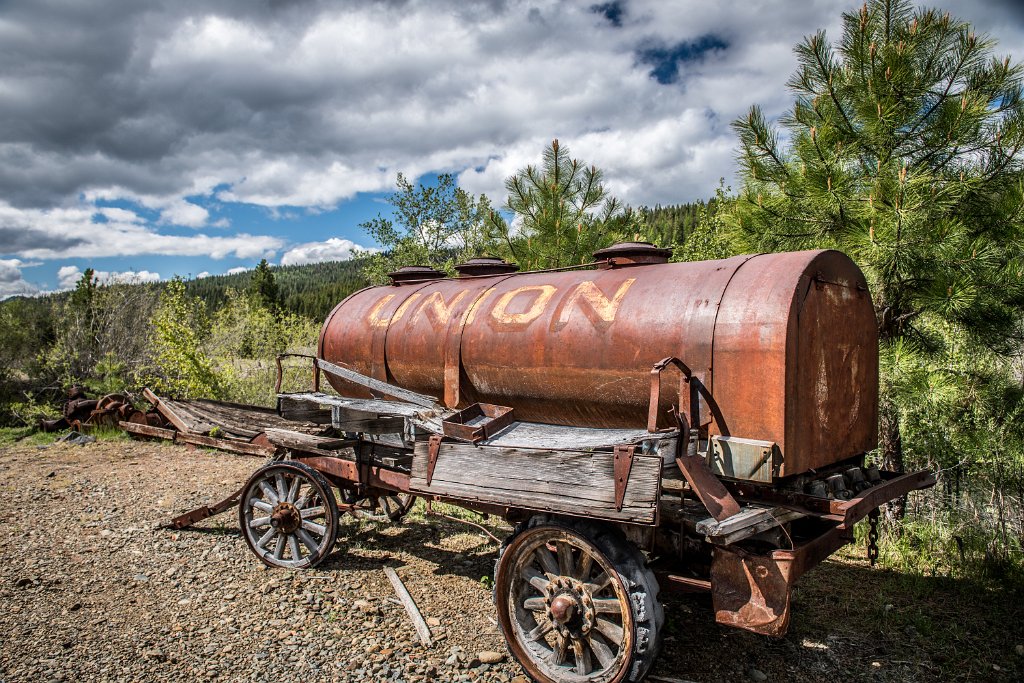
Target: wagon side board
{"points": [[576, 483]]}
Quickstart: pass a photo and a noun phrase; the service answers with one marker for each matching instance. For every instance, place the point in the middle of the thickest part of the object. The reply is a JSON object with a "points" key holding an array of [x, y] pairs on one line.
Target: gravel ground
{"points": [[91, 590]]}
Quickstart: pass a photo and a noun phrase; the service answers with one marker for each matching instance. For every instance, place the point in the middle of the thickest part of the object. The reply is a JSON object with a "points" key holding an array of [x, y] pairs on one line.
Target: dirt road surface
{"points": [[92, 590]]}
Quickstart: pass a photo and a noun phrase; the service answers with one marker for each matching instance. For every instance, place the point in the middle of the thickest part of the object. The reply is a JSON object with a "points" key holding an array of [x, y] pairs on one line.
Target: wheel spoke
{"points": [[582, 657], [583, 568], [293, 490], [308, 541], [269, 493], [257, 522], [261, 505], [607, 606], [293, 545], [600, 583], [603, 653], [542, 629], [534, 604], [279, 548], [558, 653], [547, 562], [565, 562], [611, 632], [262, 542], [282, 489], [318, 511], [533, 576], [317, 529]]}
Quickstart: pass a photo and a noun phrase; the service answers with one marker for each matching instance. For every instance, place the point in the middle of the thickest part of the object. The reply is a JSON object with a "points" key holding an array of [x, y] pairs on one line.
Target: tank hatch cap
{"points": [[631, 254], [414, 274], [485, 265]]}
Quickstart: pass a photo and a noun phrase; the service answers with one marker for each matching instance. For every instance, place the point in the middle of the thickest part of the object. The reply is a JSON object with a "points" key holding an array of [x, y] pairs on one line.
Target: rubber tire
{"points": [[631, 565], [325, 492]]}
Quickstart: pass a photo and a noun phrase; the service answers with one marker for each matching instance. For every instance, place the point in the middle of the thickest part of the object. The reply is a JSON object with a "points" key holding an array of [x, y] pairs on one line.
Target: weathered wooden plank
{"points": [[303, 411], [300, 441], [378, 386], [369, 405], [232, 445], [562, 481], [744, 524], [380, 425], [559, 437], [422, 630], [169, 412], [137, 429]]}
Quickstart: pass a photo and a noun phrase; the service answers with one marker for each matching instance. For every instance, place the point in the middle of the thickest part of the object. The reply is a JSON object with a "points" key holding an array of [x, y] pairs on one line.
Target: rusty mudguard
{"points": [[752, 591]]}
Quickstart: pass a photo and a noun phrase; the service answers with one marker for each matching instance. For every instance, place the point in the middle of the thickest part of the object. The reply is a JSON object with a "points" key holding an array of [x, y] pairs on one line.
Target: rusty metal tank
{"points": [[785, 343]]}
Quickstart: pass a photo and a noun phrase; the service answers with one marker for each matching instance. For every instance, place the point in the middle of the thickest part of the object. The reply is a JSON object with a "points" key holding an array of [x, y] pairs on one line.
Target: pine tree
{"points": [[563, 213], [264, 287], [904, 152]]}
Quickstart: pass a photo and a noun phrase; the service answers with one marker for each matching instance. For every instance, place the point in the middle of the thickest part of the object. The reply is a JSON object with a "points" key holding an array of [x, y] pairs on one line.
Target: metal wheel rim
{"points": [[284, 489], [547, 562]]}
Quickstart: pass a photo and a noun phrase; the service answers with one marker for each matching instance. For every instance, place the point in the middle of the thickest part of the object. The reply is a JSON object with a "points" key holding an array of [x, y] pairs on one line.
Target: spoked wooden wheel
{"points": [[577, 604], [380, 508], [288, 515]]}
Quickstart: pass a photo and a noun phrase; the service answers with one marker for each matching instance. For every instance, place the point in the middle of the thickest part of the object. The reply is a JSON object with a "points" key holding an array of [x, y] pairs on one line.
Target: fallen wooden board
{"points": [[376, 385], [572, 482], [137, 429], [231, 445], [422, 630]]}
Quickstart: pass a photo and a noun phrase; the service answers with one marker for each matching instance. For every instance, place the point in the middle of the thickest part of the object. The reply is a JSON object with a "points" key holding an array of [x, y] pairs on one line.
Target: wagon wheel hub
{"points": [[570, 606], [285, 518]]}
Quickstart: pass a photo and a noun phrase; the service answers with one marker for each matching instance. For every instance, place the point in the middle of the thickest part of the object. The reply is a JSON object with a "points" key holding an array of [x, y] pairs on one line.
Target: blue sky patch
{"points": [[665, 61]]}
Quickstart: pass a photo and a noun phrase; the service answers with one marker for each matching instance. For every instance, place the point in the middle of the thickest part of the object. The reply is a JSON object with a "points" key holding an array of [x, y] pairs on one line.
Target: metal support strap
{"points": [[432, 452], [622, 465]]}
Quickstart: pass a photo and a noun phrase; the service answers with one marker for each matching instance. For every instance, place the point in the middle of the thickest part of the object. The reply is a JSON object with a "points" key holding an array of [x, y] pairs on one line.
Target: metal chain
{"points": [[873, 536]]}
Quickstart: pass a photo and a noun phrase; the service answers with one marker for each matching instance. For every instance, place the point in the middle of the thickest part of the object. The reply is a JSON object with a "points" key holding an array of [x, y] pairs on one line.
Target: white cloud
{"points": [[203, 274], [239, 269], [76, 232], [333, 249], [68, 276], [12, 282], [173, 105]]}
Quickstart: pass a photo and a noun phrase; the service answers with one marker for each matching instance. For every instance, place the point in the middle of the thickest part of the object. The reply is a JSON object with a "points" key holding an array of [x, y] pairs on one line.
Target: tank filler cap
{"points": [[485, 265], [631, 254], [414, 274]]}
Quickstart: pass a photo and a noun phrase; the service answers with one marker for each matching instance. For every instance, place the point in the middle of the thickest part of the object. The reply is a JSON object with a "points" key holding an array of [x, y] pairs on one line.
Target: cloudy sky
{"points": [[148, 139]]}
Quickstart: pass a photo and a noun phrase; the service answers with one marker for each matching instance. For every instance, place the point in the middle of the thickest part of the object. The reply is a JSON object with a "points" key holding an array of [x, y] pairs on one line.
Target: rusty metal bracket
{"points": [[622, 465], [203, 512], [692, 399], [432, 452]]}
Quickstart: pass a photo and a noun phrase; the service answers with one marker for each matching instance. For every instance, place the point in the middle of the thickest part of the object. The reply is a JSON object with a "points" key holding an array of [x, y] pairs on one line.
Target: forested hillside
{"points": [[310, 290]]}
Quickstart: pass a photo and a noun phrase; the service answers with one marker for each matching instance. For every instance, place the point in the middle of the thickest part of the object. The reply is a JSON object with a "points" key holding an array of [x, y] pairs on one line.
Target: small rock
{"points": [[140, 578], [434, 621], [757, 675], [1020, 650], [24, 581], [365, 606], [519, 679], [491, 657], [155, 654]]}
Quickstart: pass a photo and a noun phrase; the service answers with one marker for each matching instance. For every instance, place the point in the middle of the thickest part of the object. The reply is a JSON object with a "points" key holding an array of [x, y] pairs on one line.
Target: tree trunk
{"points": [[892, 455]]}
